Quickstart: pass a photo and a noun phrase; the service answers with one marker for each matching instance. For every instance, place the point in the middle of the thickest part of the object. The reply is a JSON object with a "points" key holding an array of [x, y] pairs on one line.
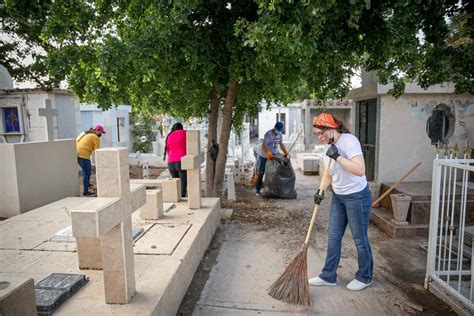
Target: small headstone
{"points": [[55, 289]]}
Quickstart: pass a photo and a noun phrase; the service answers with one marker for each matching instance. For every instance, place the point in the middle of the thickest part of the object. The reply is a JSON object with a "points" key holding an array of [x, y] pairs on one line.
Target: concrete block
{"points": [[153, 208], [17, 296], [172, 189], [308, 162], [138, 192], [189, 162]]}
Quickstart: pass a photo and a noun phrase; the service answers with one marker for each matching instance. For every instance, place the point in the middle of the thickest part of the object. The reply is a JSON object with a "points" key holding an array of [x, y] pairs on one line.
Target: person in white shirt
{"points": [[351, 201]]}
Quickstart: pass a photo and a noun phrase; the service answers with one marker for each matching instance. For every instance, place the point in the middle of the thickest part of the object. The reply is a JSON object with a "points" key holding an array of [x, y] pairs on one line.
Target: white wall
{"points": [[268, 118], [403, 137], [92, 115], [67, 115]]}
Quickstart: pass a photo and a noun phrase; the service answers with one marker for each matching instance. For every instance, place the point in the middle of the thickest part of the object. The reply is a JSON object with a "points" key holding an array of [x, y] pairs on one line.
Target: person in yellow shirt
{"points": [[86, 143]]}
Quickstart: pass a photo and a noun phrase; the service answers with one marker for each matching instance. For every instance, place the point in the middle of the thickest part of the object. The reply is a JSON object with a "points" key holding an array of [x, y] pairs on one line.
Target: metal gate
{"points": [[450, 263]]}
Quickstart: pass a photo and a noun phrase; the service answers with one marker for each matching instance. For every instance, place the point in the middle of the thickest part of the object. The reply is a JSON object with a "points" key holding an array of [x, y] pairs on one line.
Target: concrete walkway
{"points": [[252, 257], [248, 264]]}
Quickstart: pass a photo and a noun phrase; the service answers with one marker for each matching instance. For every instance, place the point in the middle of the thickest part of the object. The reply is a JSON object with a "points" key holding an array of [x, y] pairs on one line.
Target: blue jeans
{"points": [[86, 167], [261, 172], [354, 209]]}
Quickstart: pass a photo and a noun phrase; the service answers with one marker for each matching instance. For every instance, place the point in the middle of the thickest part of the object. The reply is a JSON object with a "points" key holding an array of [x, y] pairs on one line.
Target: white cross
{"points": [[48, 112]]}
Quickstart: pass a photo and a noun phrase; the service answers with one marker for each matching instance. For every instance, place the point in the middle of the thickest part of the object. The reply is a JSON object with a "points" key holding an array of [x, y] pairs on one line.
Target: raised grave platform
{"points": [[308, 162], [419, 212], [166, 256]]}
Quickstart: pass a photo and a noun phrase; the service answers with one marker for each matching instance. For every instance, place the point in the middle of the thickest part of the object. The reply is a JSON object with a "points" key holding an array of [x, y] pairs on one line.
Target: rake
{"points": [[292, 285]]}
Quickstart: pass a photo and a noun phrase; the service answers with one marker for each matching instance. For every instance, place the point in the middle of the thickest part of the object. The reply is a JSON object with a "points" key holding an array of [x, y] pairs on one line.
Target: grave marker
{"points": [[106, 222], [48, 112], [192, 163]]}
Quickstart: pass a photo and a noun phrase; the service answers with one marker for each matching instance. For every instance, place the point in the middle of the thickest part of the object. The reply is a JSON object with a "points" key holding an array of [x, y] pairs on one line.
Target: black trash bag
{"points": [[279, 179], [214, 150]]}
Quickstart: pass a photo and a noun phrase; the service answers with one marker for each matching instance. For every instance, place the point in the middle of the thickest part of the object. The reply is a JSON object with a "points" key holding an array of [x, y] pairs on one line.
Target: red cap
{"points": [[326, 120], [99, 128]]}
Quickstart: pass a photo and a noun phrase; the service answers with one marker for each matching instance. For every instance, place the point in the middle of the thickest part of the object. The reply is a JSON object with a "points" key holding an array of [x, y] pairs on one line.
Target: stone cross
{"points": [[48, 112], [103, 226], [192, 163]]}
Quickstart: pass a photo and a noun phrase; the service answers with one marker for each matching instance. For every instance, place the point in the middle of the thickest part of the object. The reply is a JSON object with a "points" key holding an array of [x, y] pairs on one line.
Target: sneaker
{"points": [[90, 194], [258, 193], [317, 281], [356, 285]]}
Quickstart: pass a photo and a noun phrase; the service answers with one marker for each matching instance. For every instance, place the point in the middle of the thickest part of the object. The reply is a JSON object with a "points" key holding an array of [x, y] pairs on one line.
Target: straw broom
{"points": [[292, 285]]}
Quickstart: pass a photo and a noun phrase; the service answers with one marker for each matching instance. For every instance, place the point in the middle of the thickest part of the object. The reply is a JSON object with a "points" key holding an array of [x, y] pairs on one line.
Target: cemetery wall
{"points": [[403, 137], [289, 115], [35, 174]]}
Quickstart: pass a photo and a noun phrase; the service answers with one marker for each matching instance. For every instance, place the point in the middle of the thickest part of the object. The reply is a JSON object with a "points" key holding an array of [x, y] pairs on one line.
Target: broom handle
{"points": [[315, 210], [295, 141], [395, 184]]}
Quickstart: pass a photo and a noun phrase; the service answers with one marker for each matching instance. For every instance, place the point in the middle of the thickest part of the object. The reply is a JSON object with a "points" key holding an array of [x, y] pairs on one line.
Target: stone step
{"points": [[419, 212], [382, 218]]}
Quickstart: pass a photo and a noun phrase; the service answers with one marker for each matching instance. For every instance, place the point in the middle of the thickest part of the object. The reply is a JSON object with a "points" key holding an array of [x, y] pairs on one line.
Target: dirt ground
{"points": [[399, 264]]}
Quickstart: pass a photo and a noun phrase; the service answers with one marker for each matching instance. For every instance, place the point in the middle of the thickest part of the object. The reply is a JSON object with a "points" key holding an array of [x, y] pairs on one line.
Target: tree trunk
{"points": [[219, 171], [212, 135]]}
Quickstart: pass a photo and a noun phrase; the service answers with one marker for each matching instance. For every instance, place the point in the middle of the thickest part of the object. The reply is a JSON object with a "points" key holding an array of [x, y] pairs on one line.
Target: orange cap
{"points": [[326, 120]]}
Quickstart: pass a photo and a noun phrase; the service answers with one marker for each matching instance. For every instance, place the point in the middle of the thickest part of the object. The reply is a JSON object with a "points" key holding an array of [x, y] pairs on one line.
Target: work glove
{"points": [[318, 198], [332, 152], [269, 155]]}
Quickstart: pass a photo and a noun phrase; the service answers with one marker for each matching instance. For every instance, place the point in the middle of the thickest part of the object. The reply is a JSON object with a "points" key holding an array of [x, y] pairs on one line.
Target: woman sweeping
{"points": [[351, 201]]}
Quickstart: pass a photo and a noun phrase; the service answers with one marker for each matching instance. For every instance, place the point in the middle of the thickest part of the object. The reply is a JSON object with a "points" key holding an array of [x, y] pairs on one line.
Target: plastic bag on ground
{"points": [[279, 181]]}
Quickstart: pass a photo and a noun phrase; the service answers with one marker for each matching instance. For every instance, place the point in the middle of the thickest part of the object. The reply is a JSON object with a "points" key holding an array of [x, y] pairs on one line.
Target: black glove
{"points": [[332, 152], [318, 198]]}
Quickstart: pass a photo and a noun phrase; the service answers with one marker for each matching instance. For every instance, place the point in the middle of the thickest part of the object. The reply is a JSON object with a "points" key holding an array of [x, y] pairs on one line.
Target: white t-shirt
{"points": [[344, 182], [272, 142]]}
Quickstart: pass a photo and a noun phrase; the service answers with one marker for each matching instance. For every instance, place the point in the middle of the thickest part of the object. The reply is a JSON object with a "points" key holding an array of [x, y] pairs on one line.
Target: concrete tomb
{"points": [[37, 173]]}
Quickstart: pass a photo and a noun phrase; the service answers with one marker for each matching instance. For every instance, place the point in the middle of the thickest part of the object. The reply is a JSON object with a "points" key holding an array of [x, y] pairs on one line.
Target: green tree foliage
{"points": [[199, 57], [143, 124]]}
